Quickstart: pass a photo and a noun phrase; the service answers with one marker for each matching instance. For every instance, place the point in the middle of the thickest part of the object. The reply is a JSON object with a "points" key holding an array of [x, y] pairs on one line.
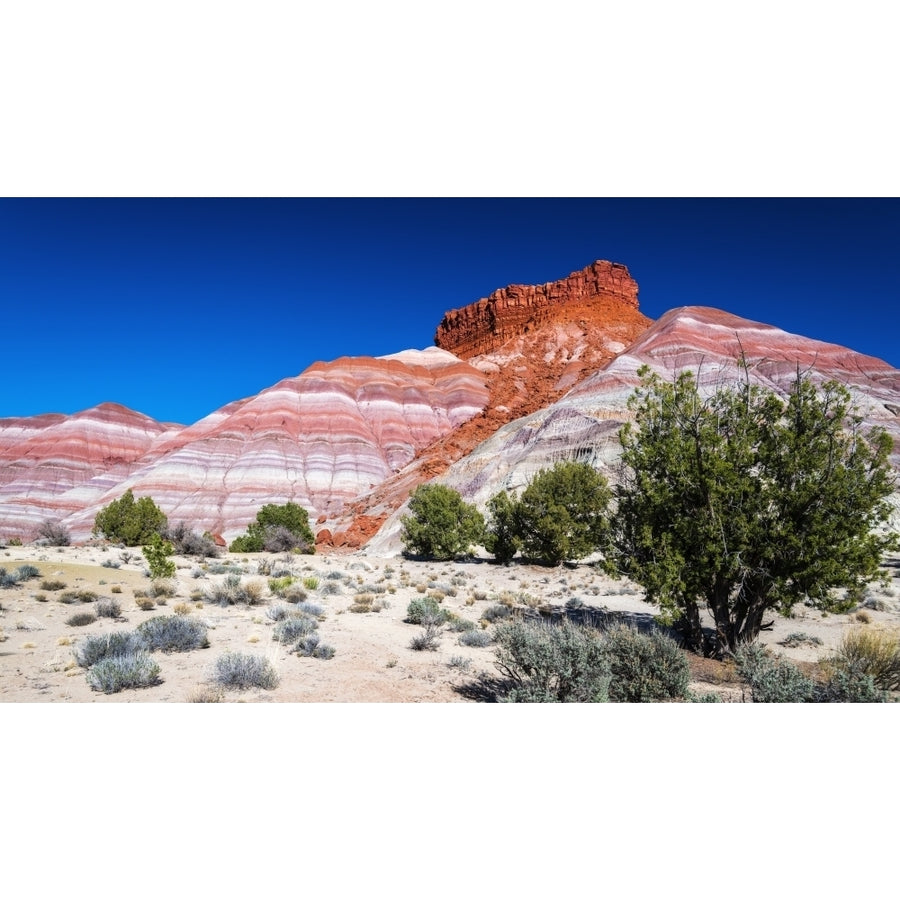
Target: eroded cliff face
{"points": [[519, 309], [533, 343]]}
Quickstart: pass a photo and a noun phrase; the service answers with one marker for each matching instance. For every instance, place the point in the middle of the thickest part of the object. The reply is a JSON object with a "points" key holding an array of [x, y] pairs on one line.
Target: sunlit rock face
{"points": [[584, 424], [317, 439], [51, 464]]}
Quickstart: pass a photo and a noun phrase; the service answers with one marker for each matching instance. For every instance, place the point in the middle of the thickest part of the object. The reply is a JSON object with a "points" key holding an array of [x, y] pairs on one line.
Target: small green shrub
{"points": [[111, 564], [23, 573], [116, 673], [459, 625], [645, 667], [173, 634], [277, 528], [422, 609], [278, 585], [241, 671], [158, 552], [129, 521], [440, 525], [311, 582]]}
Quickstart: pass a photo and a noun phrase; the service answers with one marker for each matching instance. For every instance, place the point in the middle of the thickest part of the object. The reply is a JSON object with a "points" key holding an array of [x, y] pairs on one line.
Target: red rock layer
{"points": [[582, 322], [516, 310]]}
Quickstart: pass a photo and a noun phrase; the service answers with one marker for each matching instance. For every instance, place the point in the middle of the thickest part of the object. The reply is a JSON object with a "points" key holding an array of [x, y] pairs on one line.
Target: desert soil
{"points": [[373, 661]]}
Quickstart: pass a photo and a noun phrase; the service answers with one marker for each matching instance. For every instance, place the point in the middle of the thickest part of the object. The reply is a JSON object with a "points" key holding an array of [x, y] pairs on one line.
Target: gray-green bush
{"points": [[241, 671], [130, 670], [645, 667], [552, 663], [96, 647], [173, 634], [421, 609]]}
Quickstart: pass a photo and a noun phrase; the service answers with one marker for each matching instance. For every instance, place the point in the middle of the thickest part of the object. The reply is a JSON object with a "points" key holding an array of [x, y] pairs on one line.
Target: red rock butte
{"points": [[516, 310]]}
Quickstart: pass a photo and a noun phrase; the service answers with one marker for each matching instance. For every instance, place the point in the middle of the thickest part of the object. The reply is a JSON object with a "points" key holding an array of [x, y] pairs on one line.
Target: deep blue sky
{"points": [[176, 307]]}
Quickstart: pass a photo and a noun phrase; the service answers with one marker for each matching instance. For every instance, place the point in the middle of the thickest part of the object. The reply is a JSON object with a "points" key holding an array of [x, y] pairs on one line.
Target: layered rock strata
{"points": [[584, 424], [518, 309], [318, 439]]}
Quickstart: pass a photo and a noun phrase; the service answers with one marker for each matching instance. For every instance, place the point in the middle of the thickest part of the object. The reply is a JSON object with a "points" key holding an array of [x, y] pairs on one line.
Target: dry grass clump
{"points": [[205, 694], [182, 609], [162, 587], [116, 589], [874, 652], [53, 585], [144, 603], [233, 590], [108, 608], [82, 596], [81, 618], [240, 671]]}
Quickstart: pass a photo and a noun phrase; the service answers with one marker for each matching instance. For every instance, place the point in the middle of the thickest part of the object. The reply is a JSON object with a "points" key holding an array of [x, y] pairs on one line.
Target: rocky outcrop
{"points": [[584, 424], [518, 309]]}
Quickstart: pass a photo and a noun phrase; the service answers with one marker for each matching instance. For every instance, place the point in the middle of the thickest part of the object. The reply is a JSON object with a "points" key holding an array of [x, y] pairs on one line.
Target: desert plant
{"points": [[310, 582], [108, 608], [173, 634], [81, 618], [161, 587], [460, 625], [311, 609], [233, 590], [772, 680], [871, 651], [53, 534], [289, 630], [53, 585], [115, 589], [475, 638], [80, 596], [157, 551], [440, 525], [129, 521], [311, 645], [497, 613], [463, 663], [422, 608], [279, 585], [96, 647], [111, 564], [644, 667], [204, 694], [188, 543], [277, 528], [801, 638], [744, 504], [116, 673], [428, 638], [547, 663], [561, 515], [241, 671], [145, 603], [24, 572]]}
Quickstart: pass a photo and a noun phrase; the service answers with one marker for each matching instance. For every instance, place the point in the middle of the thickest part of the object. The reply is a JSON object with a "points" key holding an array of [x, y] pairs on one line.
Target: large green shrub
{"points": [[743, 503], [441, 524], [561, 515], [275, 529], [501, 538], [129, 521]]}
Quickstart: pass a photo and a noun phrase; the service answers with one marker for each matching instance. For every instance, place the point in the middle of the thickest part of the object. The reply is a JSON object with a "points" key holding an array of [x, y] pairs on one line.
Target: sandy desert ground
{"points": [[373, 662]]}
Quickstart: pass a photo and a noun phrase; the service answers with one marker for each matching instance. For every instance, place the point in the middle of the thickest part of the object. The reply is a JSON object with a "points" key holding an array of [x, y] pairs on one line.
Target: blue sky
{"points": [[176, 307]]}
